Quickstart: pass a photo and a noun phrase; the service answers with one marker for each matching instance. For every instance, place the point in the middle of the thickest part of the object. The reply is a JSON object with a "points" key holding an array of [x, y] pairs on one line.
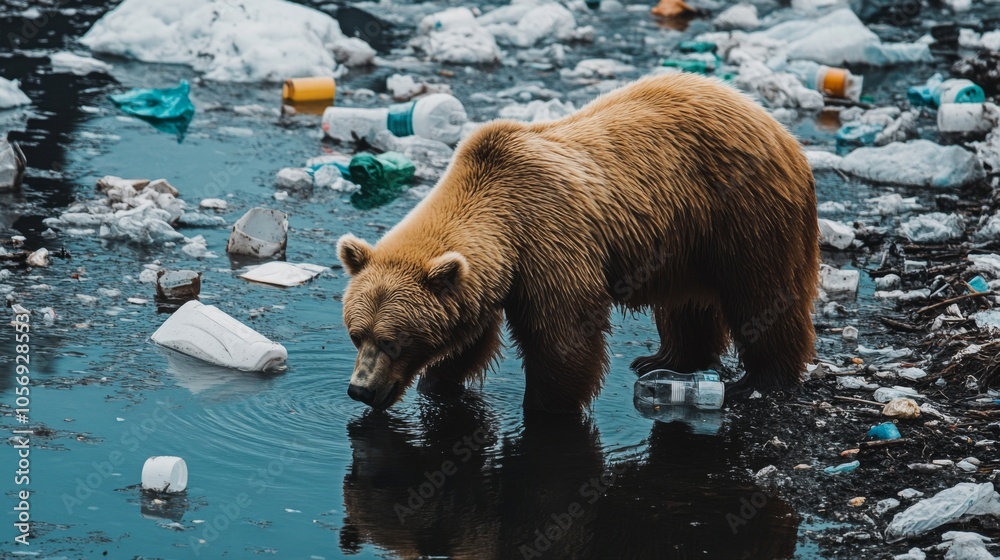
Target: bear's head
{"points": [[401, 314]]}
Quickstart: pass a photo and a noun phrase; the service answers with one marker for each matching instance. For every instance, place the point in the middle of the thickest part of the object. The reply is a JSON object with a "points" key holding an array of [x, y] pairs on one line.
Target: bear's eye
{"points": [[356, 340]]}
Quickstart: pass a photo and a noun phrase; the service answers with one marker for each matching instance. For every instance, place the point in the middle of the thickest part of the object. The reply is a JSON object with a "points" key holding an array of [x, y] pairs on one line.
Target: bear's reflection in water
{"points": [[443, 485]]}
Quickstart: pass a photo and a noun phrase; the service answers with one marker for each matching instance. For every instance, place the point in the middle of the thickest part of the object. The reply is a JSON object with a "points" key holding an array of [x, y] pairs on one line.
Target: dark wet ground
{"points": [[289, 466]]}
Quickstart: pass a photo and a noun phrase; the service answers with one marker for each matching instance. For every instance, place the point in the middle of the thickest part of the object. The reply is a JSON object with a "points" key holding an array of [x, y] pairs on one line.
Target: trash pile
{"points": [[133, 210]]}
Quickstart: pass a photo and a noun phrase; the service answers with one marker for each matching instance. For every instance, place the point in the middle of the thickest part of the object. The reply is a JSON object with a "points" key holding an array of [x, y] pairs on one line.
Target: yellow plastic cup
{"points": [[309, 89]]}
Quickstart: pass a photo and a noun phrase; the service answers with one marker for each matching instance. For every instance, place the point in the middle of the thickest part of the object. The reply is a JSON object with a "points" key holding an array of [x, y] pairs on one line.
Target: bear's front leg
{"points": [[449, 375], [563, 350]]}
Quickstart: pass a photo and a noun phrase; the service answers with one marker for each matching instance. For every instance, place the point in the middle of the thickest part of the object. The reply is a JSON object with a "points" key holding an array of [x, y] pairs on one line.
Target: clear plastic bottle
{"points": [[662, 387], [437, 116]]}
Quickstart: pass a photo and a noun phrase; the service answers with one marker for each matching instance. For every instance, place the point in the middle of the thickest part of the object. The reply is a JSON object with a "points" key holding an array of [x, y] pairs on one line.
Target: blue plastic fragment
{"points": [[169, 109], [845, 468], [979, 284], [886, 430]]}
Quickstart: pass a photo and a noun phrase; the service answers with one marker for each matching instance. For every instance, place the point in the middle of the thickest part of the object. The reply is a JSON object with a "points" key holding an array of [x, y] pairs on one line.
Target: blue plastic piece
{"points": [[979, 284], [887, 430], [845, 468], [924, 95], [858, 134], [169, 109]]}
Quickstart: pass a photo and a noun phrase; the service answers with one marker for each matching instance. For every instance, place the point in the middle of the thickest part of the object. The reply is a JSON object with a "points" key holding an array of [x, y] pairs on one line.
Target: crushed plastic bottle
{"points": [[438, 116], [938, 91], [691, 398]]}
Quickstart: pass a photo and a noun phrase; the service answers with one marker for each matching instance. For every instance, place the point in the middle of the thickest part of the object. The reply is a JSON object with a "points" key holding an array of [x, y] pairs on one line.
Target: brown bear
{"points": [[675, 193]]}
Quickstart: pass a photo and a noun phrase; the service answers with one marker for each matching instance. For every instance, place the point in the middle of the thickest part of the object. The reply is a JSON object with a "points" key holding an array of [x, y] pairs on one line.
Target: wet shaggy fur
{"points": [[675, 193]]}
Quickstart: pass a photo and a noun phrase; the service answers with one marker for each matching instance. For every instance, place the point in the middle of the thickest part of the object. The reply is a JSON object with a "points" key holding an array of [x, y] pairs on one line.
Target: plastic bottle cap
{"points": [[164, 473]]}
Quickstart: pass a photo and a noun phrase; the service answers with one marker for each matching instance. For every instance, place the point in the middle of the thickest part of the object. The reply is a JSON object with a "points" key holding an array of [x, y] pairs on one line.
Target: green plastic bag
{"points": [[382, 178], [168, 110]]}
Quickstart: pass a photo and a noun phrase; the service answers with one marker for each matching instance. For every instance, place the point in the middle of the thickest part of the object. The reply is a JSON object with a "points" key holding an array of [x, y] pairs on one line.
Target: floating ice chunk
{"points": [[464, 45], [944, 507], [935, 227], [76, 64], [538, 111], [919, 163], [740, 16], [207, 333], [840, 38], [547, 21], [988, 264], [197, 247], [294, 179], [236, 40], [11, 94], [592, 68], [280, 273], [820, 160]]}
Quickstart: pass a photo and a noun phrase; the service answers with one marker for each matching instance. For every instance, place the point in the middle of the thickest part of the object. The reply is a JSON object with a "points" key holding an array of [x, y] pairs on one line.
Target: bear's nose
{"points": [[359, 393]]}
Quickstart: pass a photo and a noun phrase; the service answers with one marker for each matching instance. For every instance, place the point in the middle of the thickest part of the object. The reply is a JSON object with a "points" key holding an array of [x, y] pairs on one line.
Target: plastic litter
{"points": [[538, 111], [834, 82], [547, 20], [983, 67], [209, 334], [778, 89], [178, 285], [39, 258], [920, 163], [382, 178], [318, 88], [437, 116], [261, 232], [834, 280], [944, 507], [168, 110], [11, 94], [902, 408], [12, 165], [887, 394], [979, 284], [967, 118], [232, 41], [164, 473], [883, 506], [842, 468], [934, 227], [884, 431], [690, 398], [835, 234], [455, 36], [938, 91], [962, 545], [280, 273], [838, 38]]}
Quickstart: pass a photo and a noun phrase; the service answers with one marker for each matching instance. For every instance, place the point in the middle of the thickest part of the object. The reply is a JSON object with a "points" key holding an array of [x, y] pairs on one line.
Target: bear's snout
{"points": [[373, 381]]}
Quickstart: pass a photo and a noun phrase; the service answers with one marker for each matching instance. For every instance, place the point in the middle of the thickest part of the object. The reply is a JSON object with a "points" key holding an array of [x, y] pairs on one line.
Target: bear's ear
{"points": [[354, 253], [445, 273]]}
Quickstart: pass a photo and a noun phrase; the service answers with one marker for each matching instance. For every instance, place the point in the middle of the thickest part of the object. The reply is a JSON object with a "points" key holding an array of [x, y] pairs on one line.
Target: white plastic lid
{"points": [[440, 117]]}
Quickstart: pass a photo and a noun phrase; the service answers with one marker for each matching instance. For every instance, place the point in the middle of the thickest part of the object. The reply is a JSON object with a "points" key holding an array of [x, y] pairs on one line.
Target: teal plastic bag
{"points": [[382, 178], [168, 110]]}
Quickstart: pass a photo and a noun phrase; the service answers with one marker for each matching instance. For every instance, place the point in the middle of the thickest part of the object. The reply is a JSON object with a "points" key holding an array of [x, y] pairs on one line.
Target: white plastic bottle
{"points": [[958, 118], [664, 387], [437, 116]]}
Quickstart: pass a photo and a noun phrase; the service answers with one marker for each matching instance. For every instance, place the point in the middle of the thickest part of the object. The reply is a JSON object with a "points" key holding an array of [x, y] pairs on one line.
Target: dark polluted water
{"points": [[287, 465]]}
